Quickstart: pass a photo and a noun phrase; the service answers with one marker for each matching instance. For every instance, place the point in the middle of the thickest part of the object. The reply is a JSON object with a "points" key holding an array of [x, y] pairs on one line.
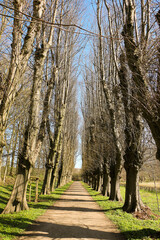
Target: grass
{"points": [[131, 227], [12, 225], [149, 198]]}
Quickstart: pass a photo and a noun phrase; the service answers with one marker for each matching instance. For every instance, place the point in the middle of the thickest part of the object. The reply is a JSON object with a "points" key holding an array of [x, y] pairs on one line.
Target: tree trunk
{"points": [[2, 144], [47, 180], [105, 190], [86, 179], [53, 179], [59, 176], [133, 151], [55, 170], [115, 177], [89, 180], [50, 167], [55, 143], [115, 170], [17, 201], [115, 188], [6, 167], [99, 182], [133, 201], [13, 153], [94, 182], [54, 175]]}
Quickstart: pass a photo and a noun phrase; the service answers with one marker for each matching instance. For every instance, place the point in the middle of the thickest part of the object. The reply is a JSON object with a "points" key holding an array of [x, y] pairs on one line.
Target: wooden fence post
{"points": [[30, 189], [36, 196]]}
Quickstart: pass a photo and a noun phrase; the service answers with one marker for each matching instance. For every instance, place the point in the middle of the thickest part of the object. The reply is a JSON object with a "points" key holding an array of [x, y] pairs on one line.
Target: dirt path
{"points": [[74, 216]]}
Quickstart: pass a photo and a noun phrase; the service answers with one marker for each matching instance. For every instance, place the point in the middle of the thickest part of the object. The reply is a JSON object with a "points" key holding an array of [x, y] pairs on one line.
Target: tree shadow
{"points": [[3, 199], [53, 231], [81, 195], [8, 187], [38, 206], [79, 209], [47, 198], [141, 234], [106, 210], [6, 190], [77, 190], [16, 222], [74, 200]]}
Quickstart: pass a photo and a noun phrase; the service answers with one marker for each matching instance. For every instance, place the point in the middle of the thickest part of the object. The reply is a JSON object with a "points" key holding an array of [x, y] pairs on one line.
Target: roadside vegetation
{"points": [[130, 225], [12, 225]]}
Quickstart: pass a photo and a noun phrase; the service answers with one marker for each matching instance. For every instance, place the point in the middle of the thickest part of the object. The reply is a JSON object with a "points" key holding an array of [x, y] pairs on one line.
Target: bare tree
{"points": [[63, 57], [136, 46], [115, 167], [18, 63], [34, 133]]}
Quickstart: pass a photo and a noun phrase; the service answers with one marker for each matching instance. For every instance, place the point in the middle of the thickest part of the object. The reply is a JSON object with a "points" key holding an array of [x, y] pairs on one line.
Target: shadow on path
{"points": [[75, 215], [52, 230], [78, 209]]}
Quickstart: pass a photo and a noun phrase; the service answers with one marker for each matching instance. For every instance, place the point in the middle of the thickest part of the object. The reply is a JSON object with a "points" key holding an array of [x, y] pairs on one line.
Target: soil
{"points": [[75, 216]]}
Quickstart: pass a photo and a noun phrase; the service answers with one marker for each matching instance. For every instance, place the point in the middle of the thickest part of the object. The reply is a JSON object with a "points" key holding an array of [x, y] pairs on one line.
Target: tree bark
{"points": [[47, 178], [115, 194], [59, 176], [13, 152], [99, 181], [133, 151], [55, 171], [52, 156], [2, 144], [133, 201], [105, 190], [17, 201], [94, 182]]}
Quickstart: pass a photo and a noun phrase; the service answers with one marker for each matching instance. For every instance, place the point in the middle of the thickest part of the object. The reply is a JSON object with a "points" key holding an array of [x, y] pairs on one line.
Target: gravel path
{"points": [[75, 216]]}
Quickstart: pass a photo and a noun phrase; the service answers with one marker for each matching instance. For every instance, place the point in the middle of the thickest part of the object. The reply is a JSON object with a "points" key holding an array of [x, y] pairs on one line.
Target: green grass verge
{"points": [[131, 227], [12, 225]]}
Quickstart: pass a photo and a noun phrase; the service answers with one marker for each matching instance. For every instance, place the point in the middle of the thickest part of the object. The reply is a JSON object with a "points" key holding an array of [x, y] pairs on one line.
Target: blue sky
{"points": [[87, 23]]}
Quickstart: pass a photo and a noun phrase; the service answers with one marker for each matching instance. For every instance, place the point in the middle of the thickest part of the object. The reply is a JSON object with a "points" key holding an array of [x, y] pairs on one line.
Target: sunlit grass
{"points": [[12, 225], [131, 227]]}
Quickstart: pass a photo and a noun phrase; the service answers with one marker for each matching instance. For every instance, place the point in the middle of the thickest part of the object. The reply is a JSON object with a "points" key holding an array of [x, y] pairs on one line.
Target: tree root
{"points": [[146, 214]]}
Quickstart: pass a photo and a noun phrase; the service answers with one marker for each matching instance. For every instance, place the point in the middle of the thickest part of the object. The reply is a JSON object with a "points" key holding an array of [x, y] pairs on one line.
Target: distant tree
{"points": [[113, 106], [63, 56]]}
